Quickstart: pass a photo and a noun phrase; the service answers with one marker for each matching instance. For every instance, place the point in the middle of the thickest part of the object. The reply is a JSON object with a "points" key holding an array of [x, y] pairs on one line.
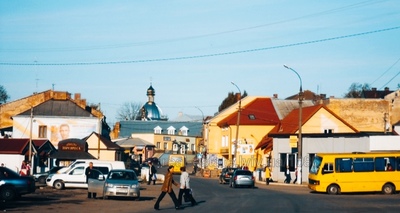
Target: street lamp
{"points": [[237, 126], [300, 139]]}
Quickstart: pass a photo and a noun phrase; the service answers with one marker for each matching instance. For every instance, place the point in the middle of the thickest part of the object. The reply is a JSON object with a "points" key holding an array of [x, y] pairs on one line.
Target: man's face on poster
{"points": [[64, 131]]}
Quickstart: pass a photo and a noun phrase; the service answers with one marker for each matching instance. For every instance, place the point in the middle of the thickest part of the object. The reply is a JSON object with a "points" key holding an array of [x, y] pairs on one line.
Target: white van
{"points": [[118, 164], [75, 176]]}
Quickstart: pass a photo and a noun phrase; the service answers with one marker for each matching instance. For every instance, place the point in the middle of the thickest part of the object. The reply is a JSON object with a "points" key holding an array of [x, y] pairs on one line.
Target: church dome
{"points": [[150, 110]]}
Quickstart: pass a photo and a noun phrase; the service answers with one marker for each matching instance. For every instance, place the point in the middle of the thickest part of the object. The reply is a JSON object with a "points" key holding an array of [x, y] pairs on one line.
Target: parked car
{"points": [[118, 183], [242, 178], [41, 177], [76, 178], [12, 185], [226, 174]]}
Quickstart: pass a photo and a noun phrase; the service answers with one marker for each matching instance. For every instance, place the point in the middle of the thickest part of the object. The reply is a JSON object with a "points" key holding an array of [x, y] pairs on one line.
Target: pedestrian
{"points": [[295, 175], [90, 174], [152, 174], [185, 188], [267, 174], [287, 174], [167, 188], [25, 169]]}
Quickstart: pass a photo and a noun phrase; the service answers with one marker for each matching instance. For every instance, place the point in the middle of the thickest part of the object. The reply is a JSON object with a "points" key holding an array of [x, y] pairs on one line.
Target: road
{"points": [[212, 197]]}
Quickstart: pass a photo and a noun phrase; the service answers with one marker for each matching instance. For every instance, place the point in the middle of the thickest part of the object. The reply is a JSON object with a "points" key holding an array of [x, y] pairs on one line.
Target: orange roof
{"points": [[260, 111], [290, 124]]}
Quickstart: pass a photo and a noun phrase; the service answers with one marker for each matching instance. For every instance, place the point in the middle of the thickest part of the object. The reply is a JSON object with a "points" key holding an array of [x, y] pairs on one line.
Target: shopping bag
{"points": [[187, 194]]}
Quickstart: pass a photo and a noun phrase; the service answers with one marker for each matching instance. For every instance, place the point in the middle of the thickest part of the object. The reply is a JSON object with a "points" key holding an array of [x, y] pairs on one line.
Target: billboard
{"points": [[54, 129]]}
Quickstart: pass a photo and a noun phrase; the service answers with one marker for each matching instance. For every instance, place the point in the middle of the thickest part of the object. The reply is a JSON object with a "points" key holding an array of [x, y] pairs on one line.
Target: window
{"points": [[252, 117], [192, 147], [167, 138], [42, 131], [344, 164], [158, 145], [287, 160], [328, 167], [171, 130], [328, 131], [383, 163], [224, 141], [363, 164], [184, 130], [157, 130], [165, 146]]}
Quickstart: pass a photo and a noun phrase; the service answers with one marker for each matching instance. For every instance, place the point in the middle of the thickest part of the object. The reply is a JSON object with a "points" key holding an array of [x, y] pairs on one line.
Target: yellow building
{"points": [[257, 118]]}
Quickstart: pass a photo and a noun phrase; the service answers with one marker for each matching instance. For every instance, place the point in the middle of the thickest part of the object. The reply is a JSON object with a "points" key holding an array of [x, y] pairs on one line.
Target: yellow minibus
{"points": [[335, 173], [177, 160]]}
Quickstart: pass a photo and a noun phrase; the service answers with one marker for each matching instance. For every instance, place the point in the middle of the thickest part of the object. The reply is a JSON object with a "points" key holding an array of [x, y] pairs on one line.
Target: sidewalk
{"points": [[281, 184]]}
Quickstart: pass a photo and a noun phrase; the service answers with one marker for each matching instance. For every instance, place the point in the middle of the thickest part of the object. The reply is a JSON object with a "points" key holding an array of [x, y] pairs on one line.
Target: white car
{"points": [[75, 177]]}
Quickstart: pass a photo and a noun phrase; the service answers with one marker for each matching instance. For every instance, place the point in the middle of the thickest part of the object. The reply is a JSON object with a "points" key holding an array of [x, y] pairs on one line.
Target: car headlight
{"points": [[134, 186], [109, 185]]}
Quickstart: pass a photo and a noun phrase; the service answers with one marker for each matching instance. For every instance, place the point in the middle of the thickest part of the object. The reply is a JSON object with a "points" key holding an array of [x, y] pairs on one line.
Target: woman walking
{"points": [[167, 188]]}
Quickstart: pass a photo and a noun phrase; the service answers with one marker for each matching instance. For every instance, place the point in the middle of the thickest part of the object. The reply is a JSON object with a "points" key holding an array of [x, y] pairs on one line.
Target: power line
{"points": [[144, 43], [200, 56], [385, 71]]}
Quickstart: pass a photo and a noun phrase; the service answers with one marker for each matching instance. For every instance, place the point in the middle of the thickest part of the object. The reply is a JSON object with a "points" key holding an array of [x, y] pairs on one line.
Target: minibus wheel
{"points": [[333, 189], [388, 189]]}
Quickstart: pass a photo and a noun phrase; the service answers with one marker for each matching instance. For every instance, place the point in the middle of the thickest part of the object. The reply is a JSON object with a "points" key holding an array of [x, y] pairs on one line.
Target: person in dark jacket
{"points": [[167, 188], [90, 174], [152, 174]]}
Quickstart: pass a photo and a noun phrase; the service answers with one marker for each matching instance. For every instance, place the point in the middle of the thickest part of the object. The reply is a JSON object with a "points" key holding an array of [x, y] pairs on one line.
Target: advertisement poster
{"points": [[54, 129]]}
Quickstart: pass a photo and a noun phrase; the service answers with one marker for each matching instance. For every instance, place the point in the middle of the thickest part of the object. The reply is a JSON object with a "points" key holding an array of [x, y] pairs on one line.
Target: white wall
{"points": [[12, 162], [313, 146], [385, 143]]}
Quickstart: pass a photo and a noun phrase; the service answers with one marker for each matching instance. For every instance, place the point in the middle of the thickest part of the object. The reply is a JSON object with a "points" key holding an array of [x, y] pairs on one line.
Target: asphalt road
{"points": [[212, 197]]}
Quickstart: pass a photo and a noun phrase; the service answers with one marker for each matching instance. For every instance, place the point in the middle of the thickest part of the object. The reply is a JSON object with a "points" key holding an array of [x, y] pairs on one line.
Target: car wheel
{"points": [[42, 179], [333, 189], [8, 193], [58, 184], [388, 189]]}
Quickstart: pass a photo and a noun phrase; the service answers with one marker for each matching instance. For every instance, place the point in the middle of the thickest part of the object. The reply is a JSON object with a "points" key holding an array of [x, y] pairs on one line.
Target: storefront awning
{"points": [[70, 155]]}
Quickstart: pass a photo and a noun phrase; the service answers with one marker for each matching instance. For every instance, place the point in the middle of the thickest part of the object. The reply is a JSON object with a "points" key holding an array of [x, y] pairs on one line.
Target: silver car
{"points": [[242, 178], [117, 183]]}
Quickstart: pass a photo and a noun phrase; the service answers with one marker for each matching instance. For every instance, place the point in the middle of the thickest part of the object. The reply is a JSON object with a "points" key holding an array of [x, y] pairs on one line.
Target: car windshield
{"points": [[122, 175]]}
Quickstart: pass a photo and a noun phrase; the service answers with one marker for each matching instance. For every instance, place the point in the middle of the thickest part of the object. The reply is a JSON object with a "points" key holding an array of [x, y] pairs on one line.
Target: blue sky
{"points": [[191, 51]]}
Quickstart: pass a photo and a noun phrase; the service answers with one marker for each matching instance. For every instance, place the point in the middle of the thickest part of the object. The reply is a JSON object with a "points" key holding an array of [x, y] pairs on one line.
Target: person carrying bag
{"points": [[185, 188]]}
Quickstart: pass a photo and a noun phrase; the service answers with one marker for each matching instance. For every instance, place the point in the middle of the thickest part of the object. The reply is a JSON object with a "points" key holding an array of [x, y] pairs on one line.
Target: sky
{"points": [[191, 51]]}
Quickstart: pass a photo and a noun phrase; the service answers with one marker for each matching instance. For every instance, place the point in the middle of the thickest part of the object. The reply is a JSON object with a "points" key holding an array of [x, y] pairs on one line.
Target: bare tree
{"points": [[230, 100], [356, 89], [3, 95], [129, 111]]}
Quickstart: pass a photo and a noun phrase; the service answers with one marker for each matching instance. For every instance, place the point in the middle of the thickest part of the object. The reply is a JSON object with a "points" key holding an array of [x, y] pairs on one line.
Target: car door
{"points": [[96, 184]]}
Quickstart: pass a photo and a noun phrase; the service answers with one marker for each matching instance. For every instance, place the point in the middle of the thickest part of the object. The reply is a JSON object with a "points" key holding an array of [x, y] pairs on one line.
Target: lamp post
{"points": [[300, 139], [237, 126]]}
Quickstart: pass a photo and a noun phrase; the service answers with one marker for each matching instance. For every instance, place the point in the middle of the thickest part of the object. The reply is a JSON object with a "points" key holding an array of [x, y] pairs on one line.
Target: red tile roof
{"points": [[290, 124], [13, 146], [261, 108]]}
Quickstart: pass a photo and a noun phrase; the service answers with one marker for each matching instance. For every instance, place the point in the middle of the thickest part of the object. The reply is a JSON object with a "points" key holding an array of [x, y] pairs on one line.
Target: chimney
{"points": [[373, 89], [275, 96], [77, 96]]}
